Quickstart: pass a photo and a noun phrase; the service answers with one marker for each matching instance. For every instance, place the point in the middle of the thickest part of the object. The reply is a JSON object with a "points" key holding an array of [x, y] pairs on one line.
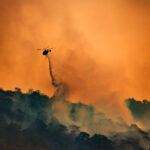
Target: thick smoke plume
{"points": [[34, 121], [102, 49]]}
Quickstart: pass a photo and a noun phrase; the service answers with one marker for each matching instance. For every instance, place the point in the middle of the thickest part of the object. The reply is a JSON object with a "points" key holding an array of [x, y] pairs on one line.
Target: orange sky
{"points": [[100, 48]]}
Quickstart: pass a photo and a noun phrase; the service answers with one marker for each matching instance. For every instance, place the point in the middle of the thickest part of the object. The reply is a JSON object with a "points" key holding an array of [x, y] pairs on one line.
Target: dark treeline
{"points": [[27, 123], [140, 110]]}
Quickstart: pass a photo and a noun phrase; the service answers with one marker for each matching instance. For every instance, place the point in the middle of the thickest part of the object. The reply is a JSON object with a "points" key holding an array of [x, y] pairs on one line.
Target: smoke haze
{"points": [[101, 49]]}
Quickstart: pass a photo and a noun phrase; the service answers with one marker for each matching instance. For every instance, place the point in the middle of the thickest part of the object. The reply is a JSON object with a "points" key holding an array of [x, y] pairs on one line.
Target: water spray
{"points": [[51, 73], [62, 88]]}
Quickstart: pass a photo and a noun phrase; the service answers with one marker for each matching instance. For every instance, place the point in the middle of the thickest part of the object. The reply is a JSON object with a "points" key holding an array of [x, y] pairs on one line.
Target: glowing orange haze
{"points": [[101, 49]]}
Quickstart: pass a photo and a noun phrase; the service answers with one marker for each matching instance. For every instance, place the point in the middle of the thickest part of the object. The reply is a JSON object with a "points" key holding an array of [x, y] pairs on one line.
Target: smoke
{"points": [[101, 54], [35, 121], [101, 50]]}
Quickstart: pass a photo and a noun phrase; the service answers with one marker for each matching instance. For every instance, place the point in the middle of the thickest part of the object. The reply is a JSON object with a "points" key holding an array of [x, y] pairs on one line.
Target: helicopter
{"points": [[45, 50]]}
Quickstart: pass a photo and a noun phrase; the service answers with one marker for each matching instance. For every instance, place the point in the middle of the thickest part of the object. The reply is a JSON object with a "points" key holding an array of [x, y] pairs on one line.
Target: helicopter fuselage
{"points": [[45, 52]]}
